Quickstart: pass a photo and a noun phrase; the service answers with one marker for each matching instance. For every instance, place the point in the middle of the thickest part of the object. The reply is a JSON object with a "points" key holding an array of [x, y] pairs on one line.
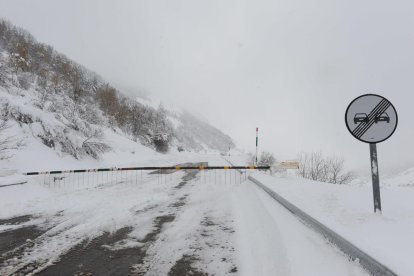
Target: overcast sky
{"points": [[289, 67]]}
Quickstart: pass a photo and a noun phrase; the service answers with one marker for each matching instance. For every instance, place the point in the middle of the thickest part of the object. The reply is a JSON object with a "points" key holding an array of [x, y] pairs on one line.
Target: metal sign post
{"points": [[375, 177], [372, 119], [257, 142]]}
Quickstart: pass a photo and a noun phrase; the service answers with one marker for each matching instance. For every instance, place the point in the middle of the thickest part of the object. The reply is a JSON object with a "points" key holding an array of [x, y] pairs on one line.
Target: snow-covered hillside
{"points": [[191, 132], [402, 179], [53, 106]]}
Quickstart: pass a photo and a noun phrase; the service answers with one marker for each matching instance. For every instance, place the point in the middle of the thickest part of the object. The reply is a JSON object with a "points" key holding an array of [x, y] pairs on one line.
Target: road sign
{"points": [[287, 165], [371, 118]]}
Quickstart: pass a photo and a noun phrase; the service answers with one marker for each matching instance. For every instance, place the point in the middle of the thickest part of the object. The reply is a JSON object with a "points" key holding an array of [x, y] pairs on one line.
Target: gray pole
{"points": [[375, 177], [257, 143]]}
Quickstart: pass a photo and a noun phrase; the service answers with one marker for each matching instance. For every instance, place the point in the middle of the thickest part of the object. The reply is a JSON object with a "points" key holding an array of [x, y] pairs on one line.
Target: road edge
{"points": [[354, 253]]}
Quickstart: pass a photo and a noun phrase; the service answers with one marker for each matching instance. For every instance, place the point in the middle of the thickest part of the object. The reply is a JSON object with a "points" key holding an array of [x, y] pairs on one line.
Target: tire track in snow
{"points": [[102, 257], [24, 262], [116, 251], [200, 240]]}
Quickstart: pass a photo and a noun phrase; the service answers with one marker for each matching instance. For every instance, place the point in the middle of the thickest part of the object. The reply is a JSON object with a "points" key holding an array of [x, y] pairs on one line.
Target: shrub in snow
{"points": [[316, 166], [94, 149], [264, 159], [161, 143]]}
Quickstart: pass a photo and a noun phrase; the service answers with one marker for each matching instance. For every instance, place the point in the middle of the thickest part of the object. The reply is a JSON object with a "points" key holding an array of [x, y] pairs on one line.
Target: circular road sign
{"points": [[371, 118]]}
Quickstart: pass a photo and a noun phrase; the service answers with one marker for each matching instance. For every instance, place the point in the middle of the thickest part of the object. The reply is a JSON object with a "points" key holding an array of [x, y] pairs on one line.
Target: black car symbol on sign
{"points": [[382, 117], [361, 117]]}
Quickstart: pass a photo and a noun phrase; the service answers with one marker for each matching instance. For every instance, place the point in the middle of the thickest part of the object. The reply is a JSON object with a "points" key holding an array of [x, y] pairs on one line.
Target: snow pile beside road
{"points": [[271, 241], [16, 199], [348, 210]]}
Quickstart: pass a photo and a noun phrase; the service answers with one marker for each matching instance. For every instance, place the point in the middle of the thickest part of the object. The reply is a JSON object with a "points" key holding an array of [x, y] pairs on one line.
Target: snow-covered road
{"points": [[271, 241], [185, 223]]}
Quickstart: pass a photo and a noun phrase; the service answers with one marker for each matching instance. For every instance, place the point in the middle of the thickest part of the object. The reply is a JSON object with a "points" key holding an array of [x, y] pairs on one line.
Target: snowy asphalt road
{"points": [[186, 223]]}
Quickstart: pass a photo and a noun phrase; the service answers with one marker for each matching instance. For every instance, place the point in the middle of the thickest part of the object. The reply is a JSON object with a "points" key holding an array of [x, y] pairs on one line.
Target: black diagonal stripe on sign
{"points": [[371, 116], [361, 125], [372, 121]]}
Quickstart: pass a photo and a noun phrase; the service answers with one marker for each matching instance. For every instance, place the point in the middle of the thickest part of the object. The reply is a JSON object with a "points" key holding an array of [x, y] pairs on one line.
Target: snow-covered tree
{"points": [[264, 159]]}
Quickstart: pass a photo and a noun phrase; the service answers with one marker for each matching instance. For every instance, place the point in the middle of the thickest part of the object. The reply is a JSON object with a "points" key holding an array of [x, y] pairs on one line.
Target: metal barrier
{"points": [[174, 168], [93, 178]]}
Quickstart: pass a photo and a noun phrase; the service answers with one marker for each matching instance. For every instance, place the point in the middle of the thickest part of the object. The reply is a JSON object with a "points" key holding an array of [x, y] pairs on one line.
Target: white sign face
{"points": [[371, 118]]}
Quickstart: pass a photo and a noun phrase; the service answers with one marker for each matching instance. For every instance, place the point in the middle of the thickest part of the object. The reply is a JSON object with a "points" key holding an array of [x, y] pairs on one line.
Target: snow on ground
{"points": [[348, 210], [202, 231], [209, 222], [279, 242], [71, 216], [84, 206]]}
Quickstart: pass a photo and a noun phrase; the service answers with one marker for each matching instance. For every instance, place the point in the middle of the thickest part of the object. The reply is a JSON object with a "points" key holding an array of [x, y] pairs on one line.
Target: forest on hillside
{"points": [[81, 96]]}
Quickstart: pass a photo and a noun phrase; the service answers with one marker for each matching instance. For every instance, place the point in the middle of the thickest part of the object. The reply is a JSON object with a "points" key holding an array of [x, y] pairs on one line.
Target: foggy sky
{"points": [[288, 67]]}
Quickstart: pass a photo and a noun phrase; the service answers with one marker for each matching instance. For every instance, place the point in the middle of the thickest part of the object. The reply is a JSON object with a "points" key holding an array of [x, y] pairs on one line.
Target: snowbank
{"points": [[348, 210]]}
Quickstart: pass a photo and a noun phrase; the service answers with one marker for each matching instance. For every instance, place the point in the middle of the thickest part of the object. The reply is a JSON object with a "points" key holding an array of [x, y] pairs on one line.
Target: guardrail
{"points": [[13, 184], [354, 253]]}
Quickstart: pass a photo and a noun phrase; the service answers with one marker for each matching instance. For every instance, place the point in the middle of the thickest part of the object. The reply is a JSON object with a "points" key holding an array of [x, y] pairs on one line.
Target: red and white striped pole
{"points": [[257, 141]]}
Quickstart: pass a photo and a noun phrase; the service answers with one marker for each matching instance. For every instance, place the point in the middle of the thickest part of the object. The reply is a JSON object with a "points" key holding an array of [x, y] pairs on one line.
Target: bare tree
{"points": [[312, 166], [55, 79], [42, 81], [77, 90], [19, 58], [317, 167], [337, 174]]}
